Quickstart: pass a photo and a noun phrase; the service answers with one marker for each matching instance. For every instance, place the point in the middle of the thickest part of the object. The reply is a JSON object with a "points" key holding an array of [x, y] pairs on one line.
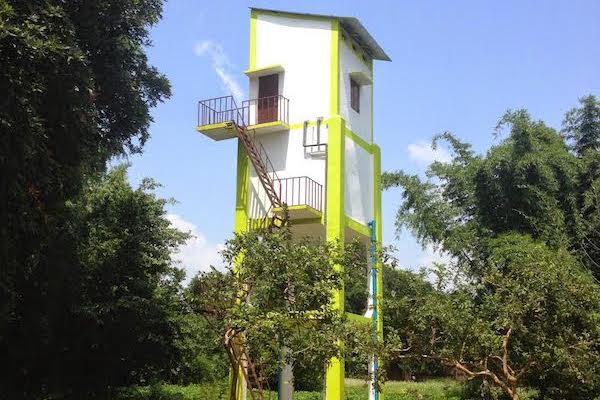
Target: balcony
{"points": [[262, 115], [302, 195]]}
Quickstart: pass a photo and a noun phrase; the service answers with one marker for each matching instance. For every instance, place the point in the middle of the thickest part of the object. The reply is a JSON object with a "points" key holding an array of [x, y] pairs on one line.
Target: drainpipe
{"points": [[372, 227]]}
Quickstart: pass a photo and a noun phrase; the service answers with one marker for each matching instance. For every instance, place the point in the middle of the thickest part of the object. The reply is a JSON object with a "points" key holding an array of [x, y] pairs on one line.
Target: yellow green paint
{"points": [[220, 125], [297, 209], [359, 141], [252, 59], [269, 69], [241, 192], [335, 220], [300, 125], [358, 227], [378, 233], [270, 125]]}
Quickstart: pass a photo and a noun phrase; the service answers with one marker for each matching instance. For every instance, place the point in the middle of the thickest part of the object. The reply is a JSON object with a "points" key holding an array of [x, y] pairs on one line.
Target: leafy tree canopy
{"points": [[274, 300], [520, 224], [76, 90]]}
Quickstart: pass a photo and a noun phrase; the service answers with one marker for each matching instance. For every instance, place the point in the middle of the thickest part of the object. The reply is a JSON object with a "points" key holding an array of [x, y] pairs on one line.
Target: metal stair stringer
{"points": [[260, 161]]}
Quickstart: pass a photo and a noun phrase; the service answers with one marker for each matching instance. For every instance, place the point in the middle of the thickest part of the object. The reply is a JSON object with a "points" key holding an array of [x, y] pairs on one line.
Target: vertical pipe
{"points": [[372, 227]]}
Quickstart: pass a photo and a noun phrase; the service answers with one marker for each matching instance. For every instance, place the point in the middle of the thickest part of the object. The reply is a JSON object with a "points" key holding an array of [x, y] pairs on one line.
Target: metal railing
{"points": [[266, 109], [219, 110], [300, 190], [252, 112]]}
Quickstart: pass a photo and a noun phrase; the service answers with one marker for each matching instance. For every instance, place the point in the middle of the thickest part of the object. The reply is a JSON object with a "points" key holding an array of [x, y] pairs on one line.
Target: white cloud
{"points": [[221, 65], [197, 254], [422, 153]]}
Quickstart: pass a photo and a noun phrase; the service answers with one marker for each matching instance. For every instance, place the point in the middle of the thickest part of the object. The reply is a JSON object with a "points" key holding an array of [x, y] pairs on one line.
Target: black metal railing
{"points": [[252, 112], [266, 109], [218, 110], [300, 190]]}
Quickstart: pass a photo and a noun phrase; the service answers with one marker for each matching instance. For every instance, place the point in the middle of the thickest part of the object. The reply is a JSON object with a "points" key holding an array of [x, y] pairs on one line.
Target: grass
{"points": [[435, 389]]}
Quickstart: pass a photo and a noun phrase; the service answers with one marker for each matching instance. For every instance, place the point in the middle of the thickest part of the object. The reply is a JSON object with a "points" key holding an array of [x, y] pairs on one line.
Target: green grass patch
{"points": [[435, 389]]}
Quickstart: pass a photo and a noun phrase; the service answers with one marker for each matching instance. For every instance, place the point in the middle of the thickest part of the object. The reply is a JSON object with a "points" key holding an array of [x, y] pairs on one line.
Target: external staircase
{"points": [[223, 111]]}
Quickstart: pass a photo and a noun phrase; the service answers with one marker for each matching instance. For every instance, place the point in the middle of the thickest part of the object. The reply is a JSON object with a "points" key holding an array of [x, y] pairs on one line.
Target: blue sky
{"points": [[457, 66]]}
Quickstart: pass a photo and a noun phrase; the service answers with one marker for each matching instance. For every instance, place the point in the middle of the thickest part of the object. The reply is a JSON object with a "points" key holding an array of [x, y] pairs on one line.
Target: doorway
{"points": [[268, 99]]}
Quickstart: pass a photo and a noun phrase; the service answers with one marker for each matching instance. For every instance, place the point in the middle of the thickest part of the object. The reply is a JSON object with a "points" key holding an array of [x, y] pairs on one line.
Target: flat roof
{"points": [[351, 25]]}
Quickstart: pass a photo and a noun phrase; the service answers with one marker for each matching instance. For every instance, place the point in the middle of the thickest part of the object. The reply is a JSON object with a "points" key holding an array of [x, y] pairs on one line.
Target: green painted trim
{"points": [[252, 47], [273, 124], [358, 227], [361, 319], [300, 125], [300, 207], [242, 192], [378, 234], [334, 231], [220, 125], [359, 141], [334, 106], [266, 70]]}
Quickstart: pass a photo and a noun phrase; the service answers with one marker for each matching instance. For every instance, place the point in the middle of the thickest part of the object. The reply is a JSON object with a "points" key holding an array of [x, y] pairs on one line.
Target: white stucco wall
{"points": [[359, 123], [358, 182], [289, 160], [303, 48]]}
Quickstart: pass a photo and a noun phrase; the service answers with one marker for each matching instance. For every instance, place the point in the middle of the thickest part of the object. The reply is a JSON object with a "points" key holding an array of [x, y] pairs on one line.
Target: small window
{"points": [[354, 95]]}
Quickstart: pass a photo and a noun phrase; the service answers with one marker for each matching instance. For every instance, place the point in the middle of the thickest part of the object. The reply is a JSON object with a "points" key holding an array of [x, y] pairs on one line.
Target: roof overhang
{"points": [[350, 24]]}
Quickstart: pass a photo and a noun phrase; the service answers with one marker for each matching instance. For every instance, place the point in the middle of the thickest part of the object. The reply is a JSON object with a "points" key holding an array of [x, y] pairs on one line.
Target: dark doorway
{"points": [[268, 99]]}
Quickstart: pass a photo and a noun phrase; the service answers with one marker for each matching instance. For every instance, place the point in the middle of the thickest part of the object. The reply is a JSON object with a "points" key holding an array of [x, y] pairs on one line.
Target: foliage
{"points": [[582, 125], [520, 225], [121, 323], [439, 389], [202, 355], [404, 292], [356, 290], [274, 300], [76, 90], [533, 322]]}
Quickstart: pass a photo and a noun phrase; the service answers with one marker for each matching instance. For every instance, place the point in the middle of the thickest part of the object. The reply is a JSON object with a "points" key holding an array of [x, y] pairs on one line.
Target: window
{"points": [[354, 95]]}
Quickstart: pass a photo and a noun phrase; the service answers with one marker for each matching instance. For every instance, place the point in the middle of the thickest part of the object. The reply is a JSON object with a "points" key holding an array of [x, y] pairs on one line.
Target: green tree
{"points": [[582, 125], [533, 323], [526, 197], [131, 298], [76, 90], [123, 323], [274, 300]]}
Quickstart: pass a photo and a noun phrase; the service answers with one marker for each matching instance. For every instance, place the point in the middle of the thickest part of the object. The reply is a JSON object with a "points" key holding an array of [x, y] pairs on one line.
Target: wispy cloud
{"points": [[197, 254], [422, 153], [221, 65]]}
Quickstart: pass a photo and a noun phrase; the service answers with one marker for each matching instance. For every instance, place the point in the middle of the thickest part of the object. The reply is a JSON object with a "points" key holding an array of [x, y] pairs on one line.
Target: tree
{"points": [[274, 300], [122, 325], [527, 197], [534, 322], [77, 89], [582, 125]]}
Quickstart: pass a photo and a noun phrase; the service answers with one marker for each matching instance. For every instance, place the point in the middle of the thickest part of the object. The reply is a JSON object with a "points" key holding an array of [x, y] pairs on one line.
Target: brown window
{"points": [[354, 95]]}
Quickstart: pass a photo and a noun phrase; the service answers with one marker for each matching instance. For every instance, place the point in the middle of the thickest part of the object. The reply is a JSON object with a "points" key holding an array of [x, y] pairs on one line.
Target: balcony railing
{"points": [[300, 190], [251, 112]]}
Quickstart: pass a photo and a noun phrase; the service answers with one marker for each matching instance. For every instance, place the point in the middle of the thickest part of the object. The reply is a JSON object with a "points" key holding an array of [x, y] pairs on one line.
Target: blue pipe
{"points": [[373, 226]]}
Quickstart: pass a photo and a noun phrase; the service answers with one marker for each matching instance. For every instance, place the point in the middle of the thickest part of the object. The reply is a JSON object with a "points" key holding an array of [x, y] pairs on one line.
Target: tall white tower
{"points": [[305, 139]]}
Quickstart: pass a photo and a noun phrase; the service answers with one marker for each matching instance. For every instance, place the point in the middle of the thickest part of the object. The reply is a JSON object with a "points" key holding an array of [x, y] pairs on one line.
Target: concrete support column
{"points": [[335, 222]]}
